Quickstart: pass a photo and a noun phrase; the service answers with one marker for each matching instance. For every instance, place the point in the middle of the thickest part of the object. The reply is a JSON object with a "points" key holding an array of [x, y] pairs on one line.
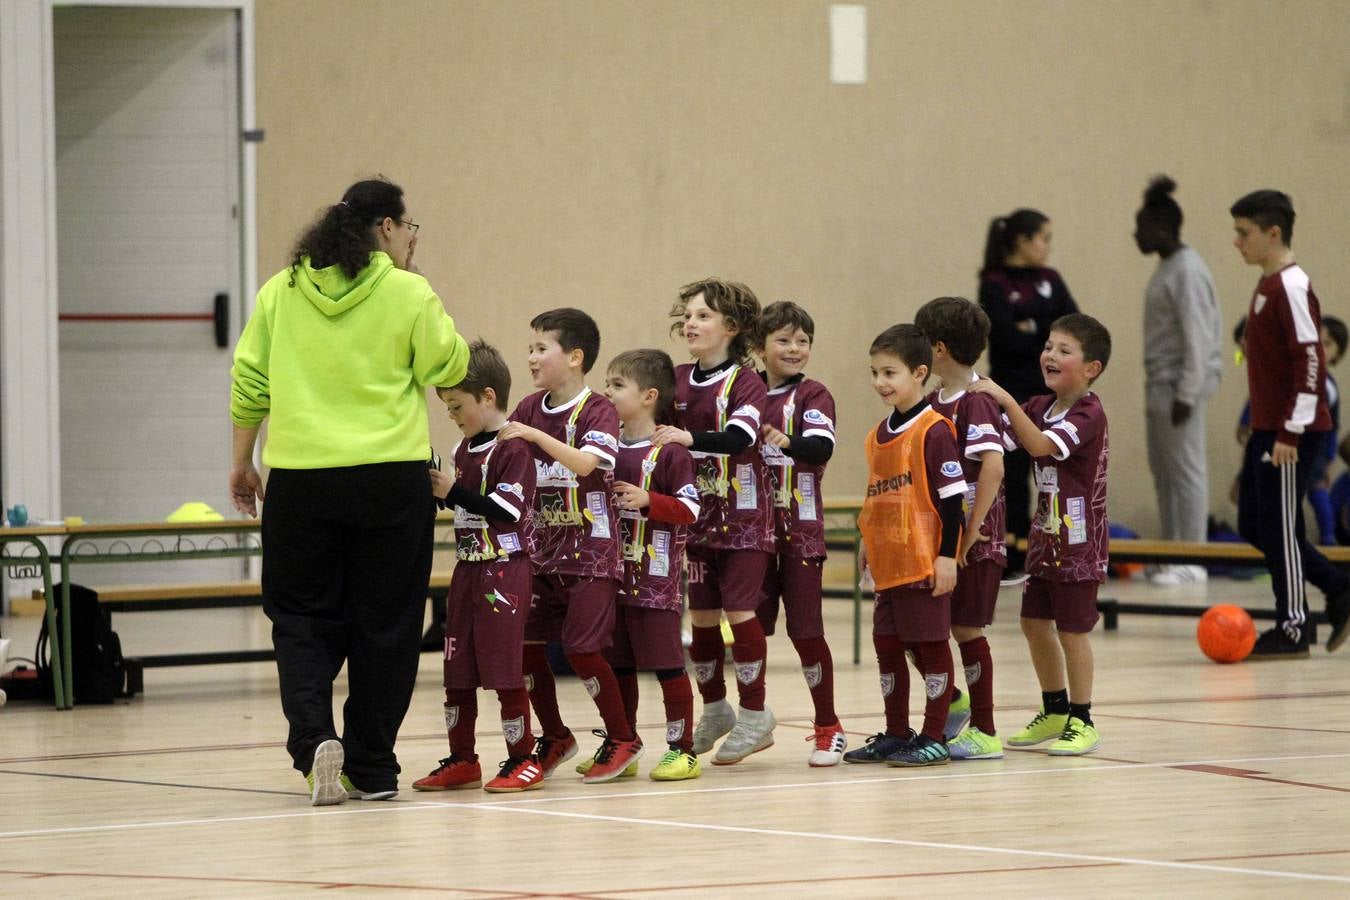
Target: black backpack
{"points": [[96, 650]]}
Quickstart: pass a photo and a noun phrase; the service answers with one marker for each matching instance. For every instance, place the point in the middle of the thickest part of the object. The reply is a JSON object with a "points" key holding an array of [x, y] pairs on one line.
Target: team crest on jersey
{"points": [[514, 729], [592, 686], [812, 675], [816, 417], [973, 673], [704, 671], [451, 717], [515, 490], [951, 469], [935, 685], [973, 432], [648, 466], [887, 683], [1258, 304], [688, 492], [674, 731], [746, 673]]}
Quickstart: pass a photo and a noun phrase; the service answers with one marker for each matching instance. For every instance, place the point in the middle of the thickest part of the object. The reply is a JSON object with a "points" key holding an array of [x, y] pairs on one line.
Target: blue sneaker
{"points": [[878, 747]]}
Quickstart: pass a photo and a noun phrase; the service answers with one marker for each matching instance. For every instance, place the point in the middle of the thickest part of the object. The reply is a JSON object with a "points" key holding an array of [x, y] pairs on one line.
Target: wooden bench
{"points": [[199, 595], [1192, 553]]}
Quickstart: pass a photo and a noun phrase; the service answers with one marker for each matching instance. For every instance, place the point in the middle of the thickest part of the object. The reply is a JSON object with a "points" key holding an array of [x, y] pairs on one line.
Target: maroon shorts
{"points": [[797, 582], [1072, 604], [730, 580], [485, 615], [976, 593], [648, 639], [913, 614], [576, 610]]}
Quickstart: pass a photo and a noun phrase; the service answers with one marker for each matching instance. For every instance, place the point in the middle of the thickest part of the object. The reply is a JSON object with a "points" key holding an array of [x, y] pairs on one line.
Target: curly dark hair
{"points": [[738, 305], [342, 235]]}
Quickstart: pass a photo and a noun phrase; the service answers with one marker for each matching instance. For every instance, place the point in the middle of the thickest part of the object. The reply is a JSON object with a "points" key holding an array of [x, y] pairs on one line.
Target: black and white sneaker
{"points": [[1277, 644]]}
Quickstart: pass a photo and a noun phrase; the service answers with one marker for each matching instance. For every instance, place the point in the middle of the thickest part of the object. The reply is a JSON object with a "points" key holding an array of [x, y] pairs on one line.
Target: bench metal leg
{"points": [[1110, 610]]}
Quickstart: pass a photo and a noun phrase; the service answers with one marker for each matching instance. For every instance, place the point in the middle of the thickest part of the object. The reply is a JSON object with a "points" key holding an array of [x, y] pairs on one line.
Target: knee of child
{"points": [[1037, 627], [964, 633], [737, 616]]}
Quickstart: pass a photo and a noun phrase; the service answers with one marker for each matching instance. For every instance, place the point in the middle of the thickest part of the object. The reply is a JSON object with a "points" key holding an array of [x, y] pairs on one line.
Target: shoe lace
{"points": [[1071, 731], [824, 736], [670, 756], [510, 765], [1037, 719], [544, 745], [607, 747]]}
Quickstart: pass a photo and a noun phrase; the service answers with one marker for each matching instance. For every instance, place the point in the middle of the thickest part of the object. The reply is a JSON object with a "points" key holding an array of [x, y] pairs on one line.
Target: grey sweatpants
{"points": [[1176, 456]]}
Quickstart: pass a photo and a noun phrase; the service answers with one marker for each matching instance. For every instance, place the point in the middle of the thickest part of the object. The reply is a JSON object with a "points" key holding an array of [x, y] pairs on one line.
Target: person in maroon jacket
{"points": [[1022, 296], [1286, 378]]}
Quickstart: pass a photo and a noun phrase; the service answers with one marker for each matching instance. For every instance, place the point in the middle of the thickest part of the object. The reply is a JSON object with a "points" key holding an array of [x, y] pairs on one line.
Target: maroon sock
{"points": [[461, 714], [894, 682], [749, 652], [628, 692], [543, 691], [979, 665], [707, 652], [678, 696], [516, 722], [934, 660], [603, 687], [818, 668]]}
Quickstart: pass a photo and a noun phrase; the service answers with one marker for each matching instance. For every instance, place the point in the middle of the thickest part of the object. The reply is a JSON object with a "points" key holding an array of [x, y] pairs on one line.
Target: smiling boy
{"points": [[1066, 436]]}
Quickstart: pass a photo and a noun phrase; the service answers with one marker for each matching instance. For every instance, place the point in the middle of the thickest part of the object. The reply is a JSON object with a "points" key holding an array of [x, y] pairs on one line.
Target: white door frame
{"points": [[30, 452]]}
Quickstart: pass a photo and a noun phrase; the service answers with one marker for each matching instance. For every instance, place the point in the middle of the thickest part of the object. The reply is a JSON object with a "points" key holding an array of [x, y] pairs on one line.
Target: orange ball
{"points": [[1226, 633]]}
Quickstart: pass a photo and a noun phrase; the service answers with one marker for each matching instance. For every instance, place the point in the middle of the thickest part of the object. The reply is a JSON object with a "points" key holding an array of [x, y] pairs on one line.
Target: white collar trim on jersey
{"points": [[641, 442], [943, 398], [1046, 417], [910, 421], [719, 376], [543, 402]]}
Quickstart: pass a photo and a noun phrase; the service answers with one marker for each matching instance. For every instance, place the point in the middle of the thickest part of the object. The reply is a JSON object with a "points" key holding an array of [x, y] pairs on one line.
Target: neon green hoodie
{"points": [[342, 365]]}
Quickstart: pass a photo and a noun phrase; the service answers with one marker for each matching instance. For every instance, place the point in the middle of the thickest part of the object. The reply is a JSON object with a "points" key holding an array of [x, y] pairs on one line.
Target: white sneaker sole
{"points": [[825, 760], [1093, 749], [729, 760], [998, 754], [327, 772]]}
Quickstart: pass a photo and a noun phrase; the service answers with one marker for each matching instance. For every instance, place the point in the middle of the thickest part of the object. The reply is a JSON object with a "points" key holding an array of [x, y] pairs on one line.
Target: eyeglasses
{"points": [[413, 225]]}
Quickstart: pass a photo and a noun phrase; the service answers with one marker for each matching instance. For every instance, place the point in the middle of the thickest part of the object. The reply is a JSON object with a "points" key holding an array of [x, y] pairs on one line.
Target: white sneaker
{"points": [[325, 775], [718, 719], [830, 744], [753, 732], [1175, 576]]}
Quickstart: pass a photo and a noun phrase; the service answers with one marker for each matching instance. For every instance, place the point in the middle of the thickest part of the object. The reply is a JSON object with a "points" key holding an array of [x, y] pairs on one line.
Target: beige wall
{"points": [[600, 154]]}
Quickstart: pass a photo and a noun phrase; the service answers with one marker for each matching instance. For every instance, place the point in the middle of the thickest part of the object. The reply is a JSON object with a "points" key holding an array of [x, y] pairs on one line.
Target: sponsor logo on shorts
{"points": [[592, 687], [973, 673], [513, 729], [887, 683], [935, 685], [674, 731], [812, 675], [704, 671], [746, 673], [451, 717]]}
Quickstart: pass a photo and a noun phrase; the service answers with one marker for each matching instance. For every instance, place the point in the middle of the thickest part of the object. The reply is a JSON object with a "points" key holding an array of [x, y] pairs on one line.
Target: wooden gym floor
{"points": [[1229, 781]]}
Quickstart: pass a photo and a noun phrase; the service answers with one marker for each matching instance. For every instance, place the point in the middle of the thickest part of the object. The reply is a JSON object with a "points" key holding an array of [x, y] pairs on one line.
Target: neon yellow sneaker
{"points": [[676, 765], [1043, 727], [1078, 738], [975, 744]]}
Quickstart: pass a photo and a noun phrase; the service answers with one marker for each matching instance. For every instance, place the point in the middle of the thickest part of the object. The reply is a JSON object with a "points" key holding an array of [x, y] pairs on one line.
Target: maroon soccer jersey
{"points": [[979, 429], [576, 530], [734, 490], [653, 552], [504, 472], [1068, 540], [1286, 365], [800, 408]]}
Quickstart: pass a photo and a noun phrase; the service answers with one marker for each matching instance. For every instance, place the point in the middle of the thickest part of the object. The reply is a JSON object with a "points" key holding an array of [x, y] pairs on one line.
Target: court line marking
{"points": [[486, 893], [1224, 724], [927, 845], [371, 808], [168, 784], [440, 736]]}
